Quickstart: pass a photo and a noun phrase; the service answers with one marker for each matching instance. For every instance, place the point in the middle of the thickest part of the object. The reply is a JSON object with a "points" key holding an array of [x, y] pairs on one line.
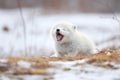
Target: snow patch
{"points": [[24, 64]]}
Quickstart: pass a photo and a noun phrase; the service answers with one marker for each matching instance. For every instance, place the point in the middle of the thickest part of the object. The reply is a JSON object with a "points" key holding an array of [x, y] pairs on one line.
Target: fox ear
{"points": [[75, 27]]}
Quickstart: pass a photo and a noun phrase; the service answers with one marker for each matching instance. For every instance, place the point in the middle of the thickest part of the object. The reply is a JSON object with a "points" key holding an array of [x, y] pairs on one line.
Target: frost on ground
{"points": [[102, 28], [99, 66]]}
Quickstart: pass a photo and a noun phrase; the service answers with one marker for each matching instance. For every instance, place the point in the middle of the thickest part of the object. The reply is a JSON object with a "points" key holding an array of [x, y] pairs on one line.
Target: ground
{"points": [[105, 65]]}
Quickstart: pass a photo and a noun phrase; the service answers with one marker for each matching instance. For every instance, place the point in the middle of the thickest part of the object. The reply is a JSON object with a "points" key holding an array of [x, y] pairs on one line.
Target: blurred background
{"points": [[25, 24]]}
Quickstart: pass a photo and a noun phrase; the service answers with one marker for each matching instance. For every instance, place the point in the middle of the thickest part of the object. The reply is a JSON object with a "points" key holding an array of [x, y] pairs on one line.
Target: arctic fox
{"points": [[69, 41]]}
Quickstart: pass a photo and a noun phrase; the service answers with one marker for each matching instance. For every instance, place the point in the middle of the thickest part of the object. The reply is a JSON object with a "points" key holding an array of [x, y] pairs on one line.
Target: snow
{"points": [[108, 53], [98, 27], [3, 60], [24, 64], [82, 71]]}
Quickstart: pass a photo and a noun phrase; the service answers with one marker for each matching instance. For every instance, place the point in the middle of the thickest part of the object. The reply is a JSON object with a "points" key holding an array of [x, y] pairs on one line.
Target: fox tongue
{"points": [[59, 36]]}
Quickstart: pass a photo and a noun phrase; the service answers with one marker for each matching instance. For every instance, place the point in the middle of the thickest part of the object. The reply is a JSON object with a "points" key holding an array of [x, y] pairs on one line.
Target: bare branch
{"points": [[24, 25]]}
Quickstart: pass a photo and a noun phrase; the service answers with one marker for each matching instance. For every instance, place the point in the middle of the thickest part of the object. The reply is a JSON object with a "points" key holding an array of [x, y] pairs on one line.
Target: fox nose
{"points": [[57, 30]]}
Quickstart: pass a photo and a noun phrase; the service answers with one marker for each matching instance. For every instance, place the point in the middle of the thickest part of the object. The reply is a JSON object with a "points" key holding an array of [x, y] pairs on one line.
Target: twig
{"points": [[114, 17], [24, 26]]}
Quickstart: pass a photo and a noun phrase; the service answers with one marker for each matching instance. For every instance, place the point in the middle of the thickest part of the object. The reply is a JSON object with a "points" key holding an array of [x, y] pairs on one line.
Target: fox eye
{"points": [[64, 29]]}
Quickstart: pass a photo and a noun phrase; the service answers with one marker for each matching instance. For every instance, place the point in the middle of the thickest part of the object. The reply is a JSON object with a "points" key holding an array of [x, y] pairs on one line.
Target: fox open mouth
{"points": [[59, 36]]}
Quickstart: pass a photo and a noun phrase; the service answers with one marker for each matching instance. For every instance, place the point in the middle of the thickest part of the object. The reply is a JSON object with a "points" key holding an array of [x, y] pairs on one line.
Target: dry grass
{"points": [[40, 64], [104, 55]]}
